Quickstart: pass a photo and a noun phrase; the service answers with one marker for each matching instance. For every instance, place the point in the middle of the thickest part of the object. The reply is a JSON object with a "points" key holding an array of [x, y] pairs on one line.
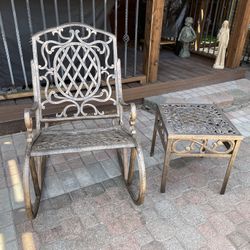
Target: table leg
{"points": [[154, 136], [230, 166], [166, 166]]}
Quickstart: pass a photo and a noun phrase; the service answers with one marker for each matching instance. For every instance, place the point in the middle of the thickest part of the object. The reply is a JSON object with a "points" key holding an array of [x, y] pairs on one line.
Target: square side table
{"points": [[195, 130]]}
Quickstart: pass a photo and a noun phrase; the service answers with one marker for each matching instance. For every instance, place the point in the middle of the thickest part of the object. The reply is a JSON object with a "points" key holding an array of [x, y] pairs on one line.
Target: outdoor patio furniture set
{"points": [[83, 66]]}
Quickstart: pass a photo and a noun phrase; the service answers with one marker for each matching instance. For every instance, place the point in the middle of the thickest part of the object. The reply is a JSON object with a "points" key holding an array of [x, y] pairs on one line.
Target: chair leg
{"points": [[230, 166], [137, 153], [166, 166], [123, 160], [154, 137], [34, 168]]}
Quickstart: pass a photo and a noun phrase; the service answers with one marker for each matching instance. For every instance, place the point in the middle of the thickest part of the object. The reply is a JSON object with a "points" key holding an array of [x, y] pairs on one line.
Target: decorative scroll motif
{"points": [[189, 146], [196, 119], [79, 64]]}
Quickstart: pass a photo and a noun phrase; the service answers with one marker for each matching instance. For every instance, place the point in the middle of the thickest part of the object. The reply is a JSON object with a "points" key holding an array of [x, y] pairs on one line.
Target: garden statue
{"points": [[223, 38], [186, 36]]}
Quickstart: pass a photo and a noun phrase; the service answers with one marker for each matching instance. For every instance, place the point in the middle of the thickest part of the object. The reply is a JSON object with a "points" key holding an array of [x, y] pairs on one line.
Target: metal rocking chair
{"points": [[79, 68]]}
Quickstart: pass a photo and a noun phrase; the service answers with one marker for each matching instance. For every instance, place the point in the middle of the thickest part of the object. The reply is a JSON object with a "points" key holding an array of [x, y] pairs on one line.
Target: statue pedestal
{"points": [[216, 66]]}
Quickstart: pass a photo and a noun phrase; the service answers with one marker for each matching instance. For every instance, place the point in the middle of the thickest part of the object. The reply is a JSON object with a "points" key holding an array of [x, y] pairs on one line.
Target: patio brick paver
{"points": [[85, 204]]}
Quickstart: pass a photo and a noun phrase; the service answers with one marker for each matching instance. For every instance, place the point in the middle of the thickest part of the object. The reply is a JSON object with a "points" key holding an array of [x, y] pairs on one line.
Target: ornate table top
{"points": [[196, 119]]}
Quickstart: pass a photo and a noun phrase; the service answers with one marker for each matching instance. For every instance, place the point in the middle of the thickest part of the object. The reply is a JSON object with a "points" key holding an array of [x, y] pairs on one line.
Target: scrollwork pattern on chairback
{"points": [[77, 65]]}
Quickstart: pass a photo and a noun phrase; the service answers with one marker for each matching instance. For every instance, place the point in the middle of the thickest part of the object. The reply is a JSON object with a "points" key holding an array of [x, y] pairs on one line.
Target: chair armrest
{"points": [[28, 112], [132, 116]]}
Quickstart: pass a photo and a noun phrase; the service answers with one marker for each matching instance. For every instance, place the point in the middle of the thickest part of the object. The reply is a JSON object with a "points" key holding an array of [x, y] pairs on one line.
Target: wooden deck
{"points": [[174, 74]]}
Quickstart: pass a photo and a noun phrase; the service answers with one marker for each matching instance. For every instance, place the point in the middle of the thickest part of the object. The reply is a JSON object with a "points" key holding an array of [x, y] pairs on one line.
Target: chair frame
{"points": [[34, 166]]}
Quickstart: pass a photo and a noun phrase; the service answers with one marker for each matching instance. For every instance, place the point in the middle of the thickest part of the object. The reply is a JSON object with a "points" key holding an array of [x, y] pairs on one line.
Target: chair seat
{"points": [[51, 142]]}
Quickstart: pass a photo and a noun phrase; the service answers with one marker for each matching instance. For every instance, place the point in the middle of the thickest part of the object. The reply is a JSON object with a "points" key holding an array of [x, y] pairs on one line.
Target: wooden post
{"points": [[153, 29], [238, 34]]}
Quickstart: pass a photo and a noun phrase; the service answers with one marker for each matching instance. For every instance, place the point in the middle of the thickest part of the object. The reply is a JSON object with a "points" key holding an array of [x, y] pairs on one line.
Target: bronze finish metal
{"points": [[195, 130], [78, 58]]}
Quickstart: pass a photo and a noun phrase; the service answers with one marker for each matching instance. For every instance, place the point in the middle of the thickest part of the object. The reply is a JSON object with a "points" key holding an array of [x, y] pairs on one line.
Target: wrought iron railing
{"points": [[208, 17], [19, 20]]}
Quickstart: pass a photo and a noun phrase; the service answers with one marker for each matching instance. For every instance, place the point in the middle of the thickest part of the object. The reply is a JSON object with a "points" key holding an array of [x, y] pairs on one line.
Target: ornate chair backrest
{"points": [[77, 66]]}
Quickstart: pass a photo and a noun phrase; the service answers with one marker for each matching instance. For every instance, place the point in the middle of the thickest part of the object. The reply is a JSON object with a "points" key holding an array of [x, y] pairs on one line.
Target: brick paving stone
{"points": [[96, 237], [207, 231], [68, 180], [237, 239], [190, 238], [121, 242], [65, 244], [221, 203], [94, 190], [83, 176], [244, 229], [57, 159], [8, 233], [12, 245], [79, 194], [70, 229], [5, 219], [118, 194], [220, 242], [149, 214], [160, 229], [153, 245], [83, 207], [88, 158], [110, 183], [49, 235], [53, 186], [246, 247], [131, 221], [60, 201], [235, 217], [4, 200], [111, 168], [175, 189], [173, 244], [221, 223], [3, 183], [142, 236], [100, 155], [195, 196], [244, 210], [193, 215], [75, 163], [9, 155], [72, 156], [89, 220], [166, 209], [7, 147], [196, 180], [51, 218], [61, 167], [97, 172], [222, 99], [115, 227]]}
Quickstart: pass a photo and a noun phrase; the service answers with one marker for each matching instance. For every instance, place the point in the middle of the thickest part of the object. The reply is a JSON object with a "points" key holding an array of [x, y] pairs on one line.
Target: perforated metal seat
{"points": [[68, 141]]}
